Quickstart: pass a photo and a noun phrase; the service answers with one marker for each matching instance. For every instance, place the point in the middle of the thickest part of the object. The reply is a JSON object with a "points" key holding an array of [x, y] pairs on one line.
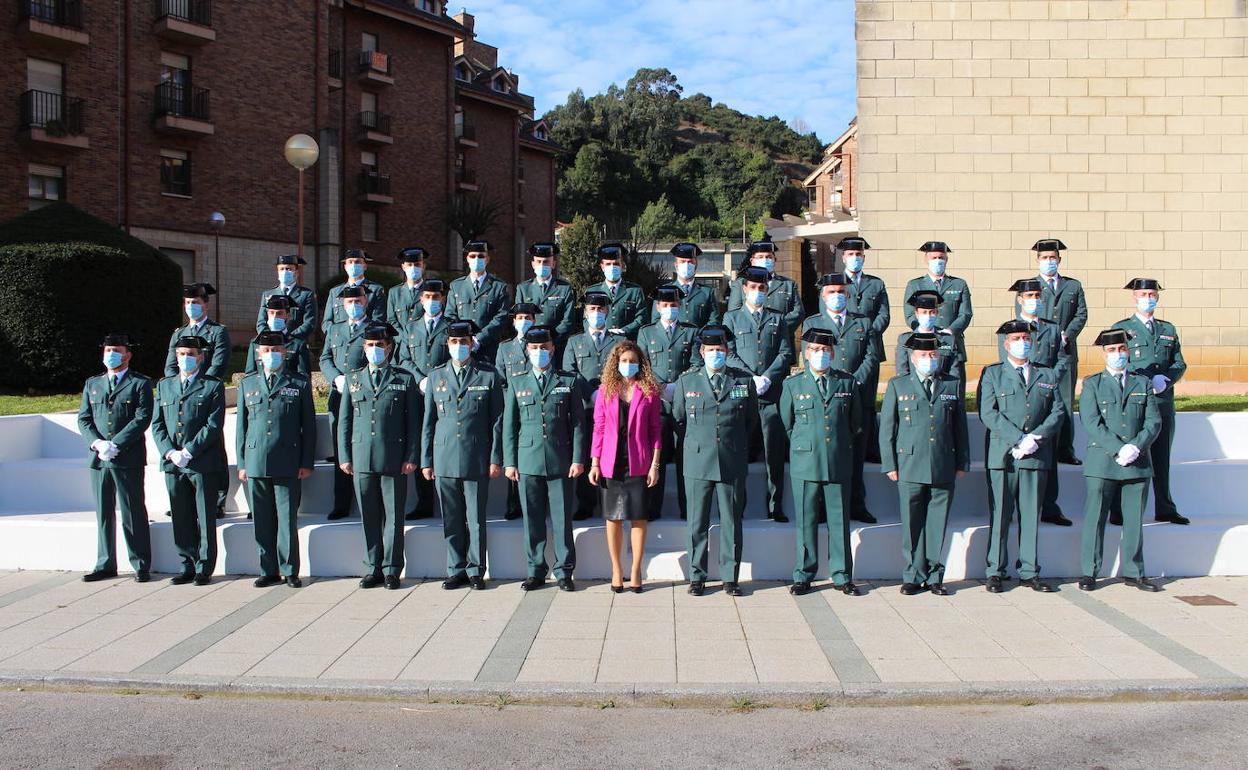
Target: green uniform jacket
{"points": [[1156, 352], [764, 349], [628, 308], [216, 357], [1069, 307], [463, 423], [302, 312], [343, 351], [379, 429], [952, 359], [486, 308], [276, 427], [955, 312], [298, 360], [869, 298], [670, 355], [512, 359], [556, 305], [582, 357], [716, 430], [335, 313], [120, 418], [698, 307], [782, 295], [1046, 346], [420, 352], [1011, 409], [924, 441], [821, 431], [191, 420], [854, 351], [545, 430], [403, 304], [1113, 416]]}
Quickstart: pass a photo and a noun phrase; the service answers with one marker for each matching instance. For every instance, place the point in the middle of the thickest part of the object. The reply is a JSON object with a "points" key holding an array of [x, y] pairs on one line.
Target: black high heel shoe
{"points": [[617, 589], [635, 589]]}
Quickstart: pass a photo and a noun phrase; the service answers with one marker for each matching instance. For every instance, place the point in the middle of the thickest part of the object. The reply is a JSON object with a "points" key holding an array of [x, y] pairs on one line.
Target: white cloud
{"points": [[790, 58]]}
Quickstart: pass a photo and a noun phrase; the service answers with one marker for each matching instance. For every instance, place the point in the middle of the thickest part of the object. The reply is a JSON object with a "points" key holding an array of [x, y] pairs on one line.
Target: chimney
{"points": [[465, 18]]}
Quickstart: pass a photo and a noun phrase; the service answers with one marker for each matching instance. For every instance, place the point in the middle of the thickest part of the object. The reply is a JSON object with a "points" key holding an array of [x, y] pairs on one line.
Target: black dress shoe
{"points": [[264, 581], [1172, 518], [800, 588], [294, 582], [531, 583], [99, 574], [183, 579], [1115, 519], [513, 514], [220, 511], [910, 589], [1058, 519], [248, 515], [778, 517], [864, 516], [455, 581], [1069, 459], [371, 581], [202, 580], [1087, 583], [566, 584], [1036, 584], [416, 514], [335, 515], [582, 515], [994, 584], [849, 589], [476, 582], [1142, 583], [732, 589], [392, 582], [938, 589], [142, 576], [697, 588]]}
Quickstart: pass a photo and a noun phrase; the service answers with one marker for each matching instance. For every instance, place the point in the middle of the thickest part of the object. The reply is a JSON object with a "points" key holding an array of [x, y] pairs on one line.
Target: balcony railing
{"points": [[468, 133], [195, 11], [375, 61], [374, 183], [465, 176], [335, 63], [378, 122], [63, 13], [56, 114], [182, 101]]}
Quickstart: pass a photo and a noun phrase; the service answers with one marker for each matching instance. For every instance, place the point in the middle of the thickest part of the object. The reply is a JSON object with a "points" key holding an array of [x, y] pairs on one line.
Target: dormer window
{"points": [[499, 84], [429, 6], [540, 132], [461, 72]]}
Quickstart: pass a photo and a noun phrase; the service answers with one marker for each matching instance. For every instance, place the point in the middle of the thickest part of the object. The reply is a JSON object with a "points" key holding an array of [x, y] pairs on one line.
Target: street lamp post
{"points": [[301, 151], [216, 220]]}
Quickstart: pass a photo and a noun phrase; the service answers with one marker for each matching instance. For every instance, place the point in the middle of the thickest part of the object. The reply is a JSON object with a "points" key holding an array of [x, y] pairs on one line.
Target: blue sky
{"points": [[790, 58]]}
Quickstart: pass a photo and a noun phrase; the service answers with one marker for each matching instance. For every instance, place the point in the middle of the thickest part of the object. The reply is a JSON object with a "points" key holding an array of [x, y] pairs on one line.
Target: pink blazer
{"points": [[644, 432]]}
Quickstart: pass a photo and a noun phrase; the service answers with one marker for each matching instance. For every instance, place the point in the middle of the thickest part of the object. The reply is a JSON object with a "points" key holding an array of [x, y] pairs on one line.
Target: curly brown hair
{"points": [[613, 381]]}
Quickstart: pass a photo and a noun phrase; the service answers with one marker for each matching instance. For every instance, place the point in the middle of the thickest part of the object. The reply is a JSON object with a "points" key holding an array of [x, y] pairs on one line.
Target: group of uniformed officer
{"points": [[456, 384]]}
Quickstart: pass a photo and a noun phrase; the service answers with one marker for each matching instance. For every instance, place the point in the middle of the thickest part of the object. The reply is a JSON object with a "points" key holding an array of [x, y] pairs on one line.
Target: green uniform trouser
{"points": [[1066, 386], [342, 482], [857, 499], [463, 503], [1049, 506], [810, 510], [193, 503], [673, 452], [924, 514], [1010, 491], [539, 494], [1159, 455], [383, 501], [731, 497], [1102, 493], [122, 487], [274, 505], [870, 419], [775, 452]]}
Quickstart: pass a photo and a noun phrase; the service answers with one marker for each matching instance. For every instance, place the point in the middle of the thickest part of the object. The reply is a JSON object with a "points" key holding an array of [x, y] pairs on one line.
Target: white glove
{"points": [[99, 446], [946, 331], [1028, 445], [476, 344], [423, 382], [1160, 383], [1128, 454], [761, 384], [186, 458], [669, 390], [174, 456], [339, 381], [616, 331], [110, 452], [1017, 453]]}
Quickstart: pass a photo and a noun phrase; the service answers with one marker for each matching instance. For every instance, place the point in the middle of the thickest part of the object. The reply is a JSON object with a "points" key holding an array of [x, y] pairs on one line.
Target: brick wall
{"points": [[494, 162], [1117, 126], [538, 195]]}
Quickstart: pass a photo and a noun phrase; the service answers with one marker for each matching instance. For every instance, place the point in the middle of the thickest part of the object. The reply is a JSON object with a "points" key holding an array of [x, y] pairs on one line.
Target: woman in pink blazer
{"points": [[624, 456]]}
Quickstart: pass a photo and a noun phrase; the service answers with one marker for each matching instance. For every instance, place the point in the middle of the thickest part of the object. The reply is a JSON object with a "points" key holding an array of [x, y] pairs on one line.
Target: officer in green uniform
{"points": [[302, 318], [926, 306], [1047, 349], [761, 345], [513, 361], [955, 312], [1155, 353], [379, 431], [354, 263], [296, 357], [482, 298], [782, 292], [585, 355], [716, 408], [1063, 301], [853, 352], [187, 428], [216, 363], [462, 450], [669, 344], [698, 304], [404, 302], [275, 442], [867, 297], [421, 348], [1121, 416], [553, 296], [1020, 405], [546, 446], [820, 413], [343, 352], [924, 448], [626, 302], [115, 411]]}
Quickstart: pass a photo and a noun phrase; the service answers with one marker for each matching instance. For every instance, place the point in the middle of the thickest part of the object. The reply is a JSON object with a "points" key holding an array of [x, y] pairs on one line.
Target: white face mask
{"points": [[686, 270], [820, 361], [1032, 306], [521, 325], [926, 322], [669, 313], [835, 301], [926, 366]]}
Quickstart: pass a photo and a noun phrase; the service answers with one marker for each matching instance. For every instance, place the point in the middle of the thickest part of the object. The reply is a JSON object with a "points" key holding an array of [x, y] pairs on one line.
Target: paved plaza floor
{"points": [[55, 628]]}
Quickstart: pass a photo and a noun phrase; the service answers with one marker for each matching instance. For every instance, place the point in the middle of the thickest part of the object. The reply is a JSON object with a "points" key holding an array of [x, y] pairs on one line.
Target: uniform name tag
{"points": [[953, 291], [948, 397], [562, 389], [397, 386], [478, 387], [1168, 337], [693, 394], [1047, 385], [842, 394], [290, 391]]}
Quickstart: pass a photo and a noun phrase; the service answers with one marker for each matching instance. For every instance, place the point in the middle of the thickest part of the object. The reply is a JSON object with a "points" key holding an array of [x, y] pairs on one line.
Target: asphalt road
{"points": [[97, 730]]}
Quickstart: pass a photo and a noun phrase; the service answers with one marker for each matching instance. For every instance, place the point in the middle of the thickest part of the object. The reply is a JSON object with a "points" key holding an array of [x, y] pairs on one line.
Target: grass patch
{"points": [[746, 705], [604, 704], [819, 704], [60, 402], [503, 700]]}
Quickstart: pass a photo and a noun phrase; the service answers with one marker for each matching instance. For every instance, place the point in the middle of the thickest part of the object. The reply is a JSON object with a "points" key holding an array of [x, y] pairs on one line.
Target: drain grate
{"points": [[1206, 600]]}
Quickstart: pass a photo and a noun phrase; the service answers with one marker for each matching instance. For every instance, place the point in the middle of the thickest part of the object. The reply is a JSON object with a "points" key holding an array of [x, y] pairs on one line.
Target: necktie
{"points": [[1122, 381], [1149, 324], [376, 378], [840, 324], [758, 317], [927, 388], [541, 380], [717, 384], [112, 383], [598, 339], [612, 292], [1053, 285], [185, 382], [270, 379], [823, 386], [429, 327], [476, 285], [1022, 374]]}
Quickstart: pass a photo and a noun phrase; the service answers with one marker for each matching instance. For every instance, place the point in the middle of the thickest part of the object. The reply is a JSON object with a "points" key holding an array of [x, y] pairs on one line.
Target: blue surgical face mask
{"points": [[355, 270], [286, 277], [1048, 267], [715, 359], [112, 359], [1020, 349], [543, 271], [1146, 304], [628, 369], [476, 264], [355, 310], [854, 264], [194, 311], [686, 270], [277, 324], [612, 272], [521, 325], [432, 306], [926, 322], [188, 364], [754, 297], [1116, 360], [926, 366], [835, 302], [1033, 306], [766, 263], [271, 360], [596, 319], [937, 266], [459, 351], [540, 357], [413, 272], [669, 313], [821, 361], [376, 355]]}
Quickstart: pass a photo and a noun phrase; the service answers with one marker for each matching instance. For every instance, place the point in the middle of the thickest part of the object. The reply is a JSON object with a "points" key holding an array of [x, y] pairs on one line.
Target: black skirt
{"points": [[623, 499]]}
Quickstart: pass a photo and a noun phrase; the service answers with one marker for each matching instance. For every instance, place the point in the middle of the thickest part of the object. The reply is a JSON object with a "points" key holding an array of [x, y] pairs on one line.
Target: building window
{"points": [[368, 159], [836, 200], [499, 84], [175, 172], [429, 6], [368, 102], [370, 227], [812, 198], [459, 161], [185, 259], [368, 41], [45, 184], [540, 132], [462, 73]]}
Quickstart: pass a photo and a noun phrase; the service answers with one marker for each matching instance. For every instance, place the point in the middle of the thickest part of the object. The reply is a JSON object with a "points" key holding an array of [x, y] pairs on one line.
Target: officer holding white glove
{"points": [[342, 354], [420, 347]]}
